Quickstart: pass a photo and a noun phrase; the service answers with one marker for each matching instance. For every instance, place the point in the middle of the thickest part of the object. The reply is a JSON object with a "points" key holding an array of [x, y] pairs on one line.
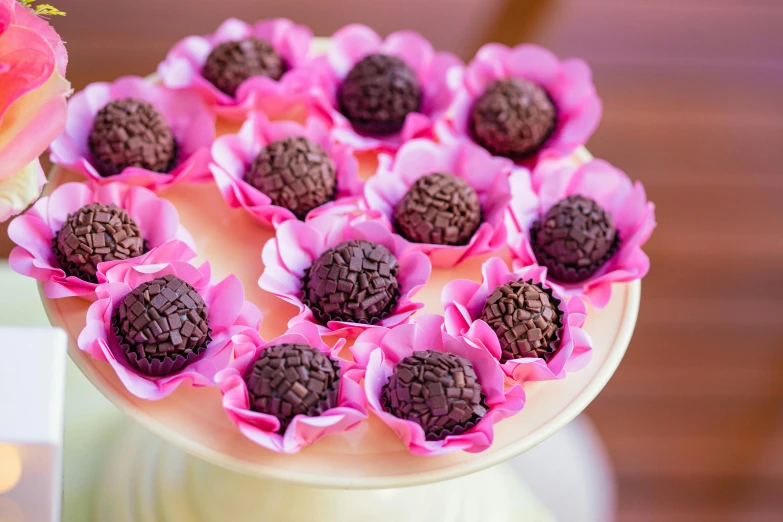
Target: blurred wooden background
{"points": [[692, 92]]}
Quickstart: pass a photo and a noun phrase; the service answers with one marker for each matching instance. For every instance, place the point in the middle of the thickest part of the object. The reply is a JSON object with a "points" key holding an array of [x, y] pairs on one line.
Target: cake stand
{"points": [[201, 468]]}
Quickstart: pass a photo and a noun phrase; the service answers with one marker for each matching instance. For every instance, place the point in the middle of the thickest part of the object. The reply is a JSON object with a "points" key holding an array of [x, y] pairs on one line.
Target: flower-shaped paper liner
{"points": [[191, 122], [463, 303], [436, 72], [380, 349], [35, 231], [556, 178], [233, 154], [568, 82], [228, 315], [263, 429], [182, 68], [297, 245], [486, 174]]}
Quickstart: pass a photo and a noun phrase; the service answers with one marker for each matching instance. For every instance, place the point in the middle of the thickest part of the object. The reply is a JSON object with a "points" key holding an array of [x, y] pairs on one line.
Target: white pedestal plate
{"points": [[201, 468]]}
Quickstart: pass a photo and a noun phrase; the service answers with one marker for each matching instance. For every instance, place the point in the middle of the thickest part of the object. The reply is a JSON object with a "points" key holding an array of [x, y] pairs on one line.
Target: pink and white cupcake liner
{"points": [[463, 303], [297, 245], [233, 154], [380, 349], [568, 82], [437, 72], [191, 122], [556, 178], [488, 175], [303, 431], [228, 315], [182, 68], [35, 231]]}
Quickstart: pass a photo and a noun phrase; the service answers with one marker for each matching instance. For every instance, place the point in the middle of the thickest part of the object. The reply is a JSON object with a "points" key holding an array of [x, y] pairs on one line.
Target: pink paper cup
{"points": [[380, 349], [488, 175], [463, 302], [556, 178], [182, 69], [192, 124], [437, 72], [297, 245], [303, 431], [228, 315], [35, 231], [232, 156], [568, 82]]}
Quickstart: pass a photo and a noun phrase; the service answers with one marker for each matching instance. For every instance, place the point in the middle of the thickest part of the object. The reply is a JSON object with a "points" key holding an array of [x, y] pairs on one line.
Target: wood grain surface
{"points": [[692, 107]]}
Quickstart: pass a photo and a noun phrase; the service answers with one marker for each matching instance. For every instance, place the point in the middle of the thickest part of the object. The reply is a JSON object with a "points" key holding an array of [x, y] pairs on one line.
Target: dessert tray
{"points": [[201, 457]]}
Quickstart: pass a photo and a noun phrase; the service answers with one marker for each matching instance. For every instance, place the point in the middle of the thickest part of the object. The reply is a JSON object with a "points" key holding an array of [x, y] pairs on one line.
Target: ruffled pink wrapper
{"points": [[303, 431], [463, 302], [229, 315], [488, 175], [35, 230], [183, 65], [190, 120], [437, 72], [380, 349], [297, 245], [568, 82], [556, 178], [232, 156]]}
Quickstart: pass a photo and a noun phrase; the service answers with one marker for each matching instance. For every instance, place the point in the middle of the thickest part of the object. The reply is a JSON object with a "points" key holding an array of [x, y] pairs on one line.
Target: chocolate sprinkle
{"points": [[354, 282], [439, 391], [574, 239], [293, 379], [231, 63], [513, 118], [526, 319], [295, 173], [93, 234], [439, 208], [378, 93], [162, 325], [131, 133]]}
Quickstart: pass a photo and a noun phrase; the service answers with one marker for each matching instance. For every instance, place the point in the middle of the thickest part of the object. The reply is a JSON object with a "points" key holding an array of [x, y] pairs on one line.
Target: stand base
{"points": [[148, 480]]}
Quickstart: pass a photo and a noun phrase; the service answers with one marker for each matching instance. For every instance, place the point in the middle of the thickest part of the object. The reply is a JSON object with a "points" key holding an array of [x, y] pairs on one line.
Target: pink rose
{"points": [[32, 102]]}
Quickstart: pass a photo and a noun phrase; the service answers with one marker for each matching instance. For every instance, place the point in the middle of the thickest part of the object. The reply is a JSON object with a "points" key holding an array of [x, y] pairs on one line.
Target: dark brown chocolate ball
{"points": [[295, 173], [293, 379], [231, 63], [131, 133], [439, 208], [526, 319], [513, 118], [355, 281], [574, 239], [162, 325], [93, 234], [378, 93], [438, 391]]}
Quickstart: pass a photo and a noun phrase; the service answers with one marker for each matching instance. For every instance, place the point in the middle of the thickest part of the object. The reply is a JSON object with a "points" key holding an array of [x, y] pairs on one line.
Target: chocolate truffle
{"points": [[513, 118], [131, 133], [293, 379], [295, 173], [93, 234], [526, 319], [162, 325], [355, 281], [439, 391], [231, 63], [378, 93], [439, 208], [574, 239]]}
